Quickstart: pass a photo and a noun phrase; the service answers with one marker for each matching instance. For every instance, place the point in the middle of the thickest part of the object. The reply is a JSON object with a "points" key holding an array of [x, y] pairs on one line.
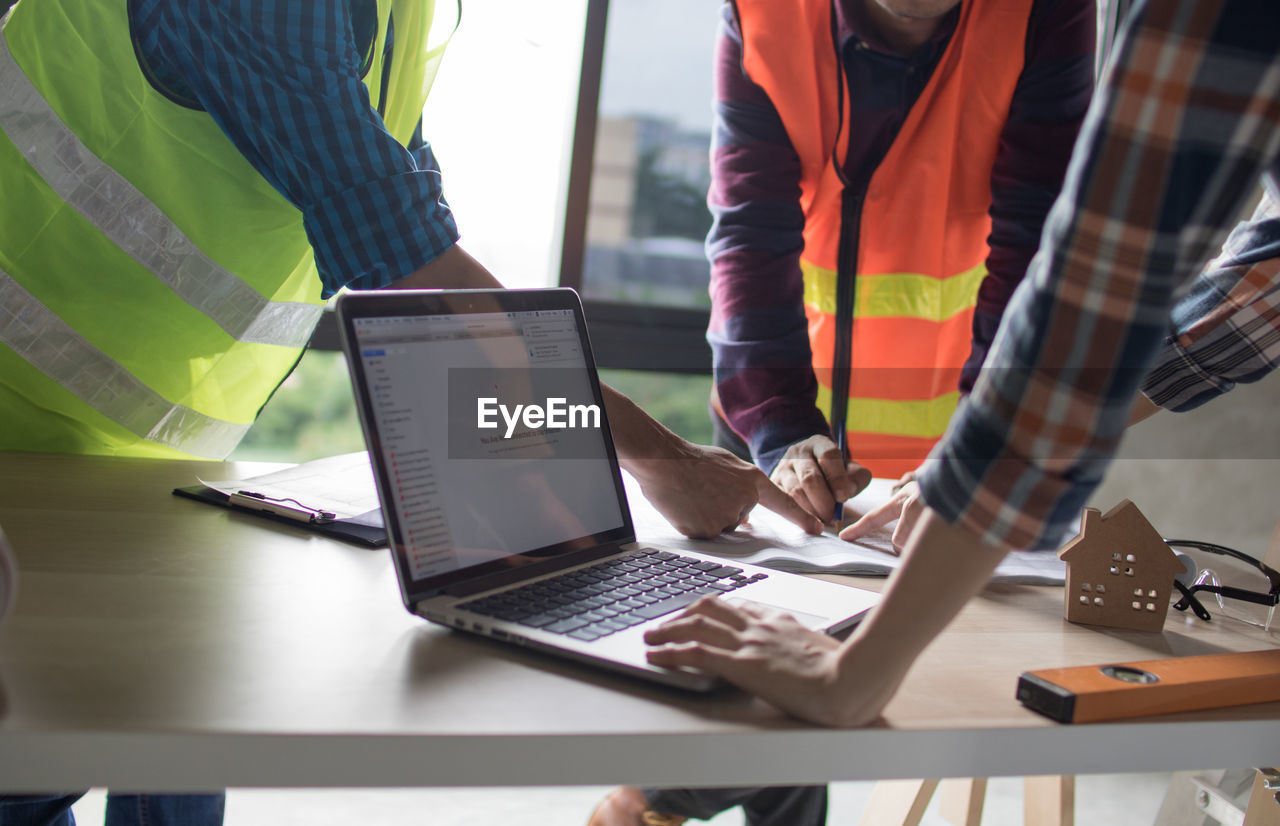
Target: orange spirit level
{"points": [[1091, 693]]}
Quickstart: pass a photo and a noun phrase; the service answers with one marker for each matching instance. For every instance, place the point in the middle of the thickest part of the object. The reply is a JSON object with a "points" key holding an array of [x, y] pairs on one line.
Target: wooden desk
{"points": [[164, 644]]}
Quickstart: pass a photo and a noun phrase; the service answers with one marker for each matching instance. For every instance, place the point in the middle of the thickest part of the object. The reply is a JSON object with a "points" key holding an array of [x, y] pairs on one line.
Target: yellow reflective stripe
{"points": [[898, 294], [925, 418], [36, 334]]}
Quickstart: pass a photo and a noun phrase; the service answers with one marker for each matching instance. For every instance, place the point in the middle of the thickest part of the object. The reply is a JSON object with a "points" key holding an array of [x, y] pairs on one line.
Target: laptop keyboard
{"points": [[602, 599]]}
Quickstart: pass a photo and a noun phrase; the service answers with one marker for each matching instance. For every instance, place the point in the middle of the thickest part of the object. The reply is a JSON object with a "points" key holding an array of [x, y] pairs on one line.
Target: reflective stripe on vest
{"points": [[137, 226], [30, 329], [921, 240], [896, 294]]}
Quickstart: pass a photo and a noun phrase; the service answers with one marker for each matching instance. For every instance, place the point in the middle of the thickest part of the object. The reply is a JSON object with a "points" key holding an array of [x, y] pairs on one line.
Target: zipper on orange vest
{"points": [[852, 198], [846, 294], [846, 261]]}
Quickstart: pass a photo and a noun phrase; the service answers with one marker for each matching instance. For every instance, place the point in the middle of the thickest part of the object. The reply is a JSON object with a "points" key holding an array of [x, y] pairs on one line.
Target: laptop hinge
{"points": [[510, 575]]}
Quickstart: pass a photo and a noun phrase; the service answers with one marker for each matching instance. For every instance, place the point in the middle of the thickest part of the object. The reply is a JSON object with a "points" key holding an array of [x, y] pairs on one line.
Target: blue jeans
{"points": [[122, 809]]}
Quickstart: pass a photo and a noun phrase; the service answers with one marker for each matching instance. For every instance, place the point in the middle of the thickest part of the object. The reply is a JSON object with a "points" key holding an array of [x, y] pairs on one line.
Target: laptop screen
{"points": [[492, 448]]}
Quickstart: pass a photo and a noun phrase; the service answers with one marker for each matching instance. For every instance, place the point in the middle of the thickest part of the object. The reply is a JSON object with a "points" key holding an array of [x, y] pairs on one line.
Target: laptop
{"points": [[504, 503]]}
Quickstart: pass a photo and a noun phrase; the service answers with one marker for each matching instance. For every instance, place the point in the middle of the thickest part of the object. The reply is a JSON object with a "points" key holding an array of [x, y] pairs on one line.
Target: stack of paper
{"points": [[772, 541]]}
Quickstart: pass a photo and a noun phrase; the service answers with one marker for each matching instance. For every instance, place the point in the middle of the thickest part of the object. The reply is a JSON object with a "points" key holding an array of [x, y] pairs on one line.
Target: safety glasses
{"points": [[1262, 588]]}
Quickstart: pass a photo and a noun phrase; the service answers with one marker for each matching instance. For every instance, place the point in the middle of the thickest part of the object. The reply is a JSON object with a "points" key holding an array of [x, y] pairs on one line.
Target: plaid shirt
{"points": [[283, 81], [1185, 122], [1227, 329]]}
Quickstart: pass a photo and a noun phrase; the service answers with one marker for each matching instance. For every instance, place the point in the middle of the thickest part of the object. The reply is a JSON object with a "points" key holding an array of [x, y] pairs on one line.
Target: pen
{"points": [[297, 511], [844, 460]]}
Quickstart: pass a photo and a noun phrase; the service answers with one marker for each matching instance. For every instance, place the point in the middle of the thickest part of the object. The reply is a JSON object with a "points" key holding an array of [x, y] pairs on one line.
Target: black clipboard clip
{"points": [[286, 507]]}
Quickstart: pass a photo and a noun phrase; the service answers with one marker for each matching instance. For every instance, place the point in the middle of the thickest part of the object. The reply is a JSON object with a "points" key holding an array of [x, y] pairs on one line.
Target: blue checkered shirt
{"points": [[283, 81]]}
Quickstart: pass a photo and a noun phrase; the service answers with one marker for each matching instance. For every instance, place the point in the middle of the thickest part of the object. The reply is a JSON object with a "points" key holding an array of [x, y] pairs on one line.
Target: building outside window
{"points": [[647, 217]]}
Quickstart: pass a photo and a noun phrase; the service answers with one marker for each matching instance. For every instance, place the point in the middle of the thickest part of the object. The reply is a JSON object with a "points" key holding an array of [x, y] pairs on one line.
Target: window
{"points": [[646, 216], [574, 147], [501, 120]]}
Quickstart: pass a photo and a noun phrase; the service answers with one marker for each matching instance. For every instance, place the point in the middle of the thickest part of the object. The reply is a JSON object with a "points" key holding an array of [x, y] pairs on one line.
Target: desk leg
{"points": [[1049, 800], [960, 800], [1264, 800], [1209, 797], [898, 803]]}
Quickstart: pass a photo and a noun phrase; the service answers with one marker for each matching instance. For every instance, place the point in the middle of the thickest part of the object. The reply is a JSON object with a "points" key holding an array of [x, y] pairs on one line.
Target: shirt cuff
{"points": [[770, 441], [1178, 382], [1006, 500], [373, 234]]}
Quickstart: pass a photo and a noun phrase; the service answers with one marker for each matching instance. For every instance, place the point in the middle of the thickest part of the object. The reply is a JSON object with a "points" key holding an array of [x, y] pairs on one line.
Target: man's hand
{"points": [[817, 476], [762, 650], [705, 491], [905, 506], [811, 675], [451, 269], [702, 491]]}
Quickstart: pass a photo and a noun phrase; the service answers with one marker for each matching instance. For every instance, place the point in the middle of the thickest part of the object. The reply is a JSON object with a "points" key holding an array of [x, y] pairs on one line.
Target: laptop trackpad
{"points": [[807, 620]]}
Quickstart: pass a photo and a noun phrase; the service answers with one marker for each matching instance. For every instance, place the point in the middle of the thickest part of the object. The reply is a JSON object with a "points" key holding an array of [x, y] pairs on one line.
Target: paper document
{"points": [[772, 541], [342, 485]]}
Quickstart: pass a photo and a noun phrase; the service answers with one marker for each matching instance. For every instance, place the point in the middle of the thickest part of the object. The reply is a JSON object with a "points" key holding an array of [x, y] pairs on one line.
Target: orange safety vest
{"points": [[903, 253]]}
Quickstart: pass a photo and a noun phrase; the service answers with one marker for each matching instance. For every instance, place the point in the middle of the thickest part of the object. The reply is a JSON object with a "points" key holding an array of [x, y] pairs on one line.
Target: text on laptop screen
{"points": [[486, 427]]}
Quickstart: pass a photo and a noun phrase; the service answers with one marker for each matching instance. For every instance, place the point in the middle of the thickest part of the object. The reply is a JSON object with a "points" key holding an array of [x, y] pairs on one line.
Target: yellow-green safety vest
{"points": [[154, 288]]}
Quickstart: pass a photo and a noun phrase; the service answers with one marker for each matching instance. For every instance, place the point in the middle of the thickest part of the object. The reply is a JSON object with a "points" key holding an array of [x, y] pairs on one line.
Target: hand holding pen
{"points": [[816, 474]]}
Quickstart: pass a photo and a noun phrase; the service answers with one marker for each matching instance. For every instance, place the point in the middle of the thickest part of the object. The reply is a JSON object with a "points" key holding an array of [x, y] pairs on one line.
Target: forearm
{"points": [[452, 269], [1142, 410], [702, 491], [642, 442], [943, 566]]}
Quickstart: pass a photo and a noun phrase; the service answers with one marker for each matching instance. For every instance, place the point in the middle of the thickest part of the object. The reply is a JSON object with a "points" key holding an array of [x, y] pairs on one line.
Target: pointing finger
{"points": [[874, 519], [776, 499]]}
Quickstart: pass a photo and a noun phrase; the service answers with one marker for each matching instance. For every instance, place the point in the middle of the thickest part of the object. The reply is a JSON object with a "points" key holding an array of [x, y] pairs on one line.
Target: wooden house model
{"points": [[1119, 570]]}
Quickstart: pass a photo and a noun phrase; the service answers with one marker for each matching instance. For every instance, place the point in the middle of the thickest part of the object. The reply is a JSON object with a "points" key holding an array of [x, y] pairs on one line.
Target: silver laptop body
{"points": [[501, 492]]}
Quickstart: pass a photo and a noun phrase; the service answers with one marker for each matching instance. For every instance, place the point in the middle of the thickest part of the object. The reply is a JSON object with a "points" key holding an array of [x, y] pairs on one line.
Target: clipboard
{"points": [[334, 496], [348, 530]]}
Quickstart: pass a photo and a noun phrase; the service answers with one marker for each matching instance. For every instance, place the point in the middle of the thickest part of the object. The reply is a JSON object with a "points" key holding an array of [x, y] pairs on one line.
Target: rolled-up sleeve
{"points": [[1226, 331], [283, 81]]}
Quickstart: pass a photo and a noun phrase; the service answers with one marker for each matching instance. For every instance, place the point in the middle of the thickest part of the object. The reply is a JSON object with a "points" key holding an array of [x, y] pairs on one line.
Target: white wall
{"points": [[1212, 473]]}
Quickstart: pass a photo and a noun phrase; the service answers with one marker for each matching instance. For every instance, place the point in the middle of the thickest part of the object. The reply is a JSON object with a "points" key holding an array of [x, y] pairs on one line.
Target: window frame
{"points": [[624, 335]]}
